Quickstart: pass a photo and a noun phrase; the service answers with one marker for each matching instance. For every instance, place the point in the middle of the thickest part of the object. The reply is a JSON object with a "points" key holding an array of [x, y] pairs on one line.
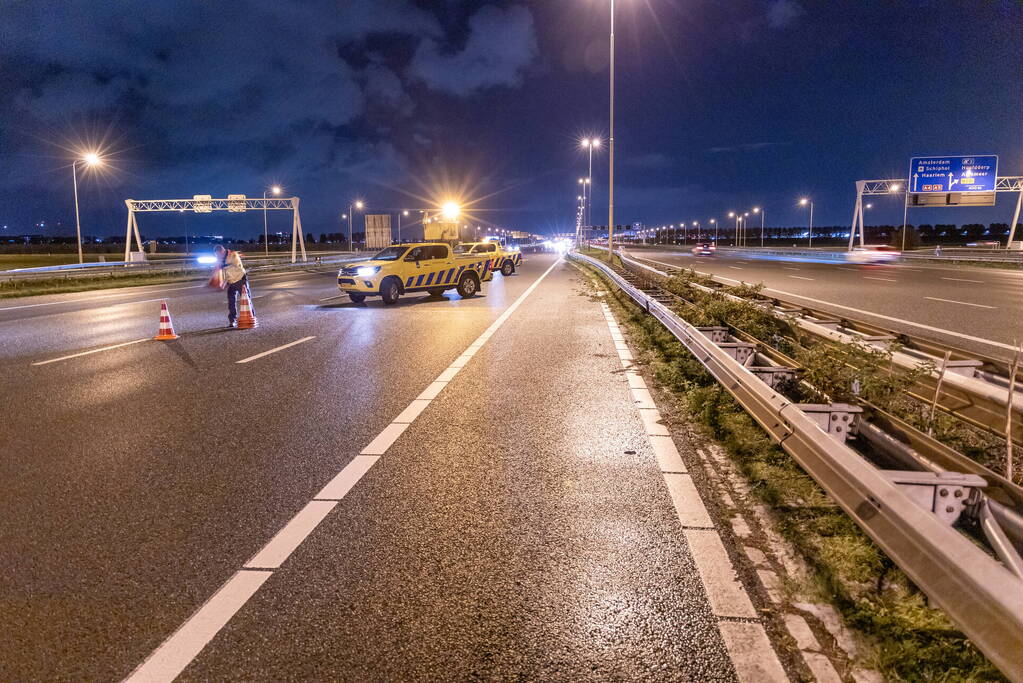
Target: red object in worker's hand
{"points": [[217, 281]]}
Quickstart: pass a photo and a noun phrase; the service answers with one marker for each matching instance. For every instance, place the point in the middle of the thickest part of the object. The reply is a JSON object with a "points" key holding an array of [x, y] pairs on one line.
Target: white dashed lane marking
{"points": [[961, 303], [86, 353], [275, 350]]}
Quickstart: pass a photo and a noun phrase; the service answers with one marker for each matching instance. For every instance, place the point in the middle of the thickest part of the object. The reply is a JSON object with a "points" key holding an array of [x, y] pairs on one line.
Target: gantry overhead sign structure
{"points": [[204, 203], [899, 186]]}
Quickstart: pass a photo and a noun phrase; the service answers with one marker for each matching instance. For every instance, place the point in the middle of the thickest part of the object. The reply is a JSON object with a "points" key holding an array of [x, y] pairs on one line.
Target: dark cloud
{"points": [[653, 160], [783, 13], [207, 96], [501, 45], [747, 147]]}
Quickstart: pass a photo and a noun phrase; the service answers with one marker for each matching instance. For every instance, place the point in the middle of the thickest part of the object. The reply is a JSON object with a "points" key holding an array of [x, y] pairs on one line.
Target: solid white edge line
{"points": [[688, 505], [86, 353], [347, 478], [431, 392], [727, 596], [751, 653], [279, 348], [749, 649], [409, 415], [280, 547], [385, 439], [178, 651]]}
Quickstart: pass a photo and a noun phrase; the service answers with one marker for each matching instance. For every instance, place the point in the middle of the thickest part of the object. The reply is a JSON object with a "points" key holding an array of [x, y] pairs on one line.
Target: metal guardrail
{"points": [[980, 595], [970, 389], [120, 268]]}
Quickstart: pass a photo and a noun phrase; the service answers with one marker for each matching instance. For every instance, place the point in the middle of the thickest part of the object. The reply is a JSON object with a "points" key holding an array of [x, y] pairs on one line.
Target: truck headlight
{"points": [[367, 271]]}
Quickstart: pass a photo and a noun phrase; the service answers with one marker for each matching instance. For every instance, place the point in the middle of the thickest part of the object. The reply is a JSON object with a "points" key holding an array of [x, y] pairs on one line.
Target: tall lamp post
{"points": [[89, 159], [589, 145], [745, 227], [732, 214], [276, 189], [714, 222], [696, 224], [756, 210], [357, 204], [804, 202], [400, 214], [611, 150]]}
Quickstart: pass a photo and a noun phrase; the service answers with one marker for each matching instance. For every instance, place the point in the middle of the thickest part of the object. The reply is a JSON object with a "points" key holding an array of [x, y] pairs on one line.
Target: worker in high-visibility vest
{"points": [[234, 275]]}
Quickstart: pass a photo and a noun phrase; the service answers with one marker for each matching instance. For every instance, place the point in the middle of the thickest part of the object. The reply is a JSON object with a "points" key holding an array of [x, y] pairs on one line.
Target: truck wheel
{"points": [[436, 292], [507, 268], [356, 297], [389, 291], [468, 286]]}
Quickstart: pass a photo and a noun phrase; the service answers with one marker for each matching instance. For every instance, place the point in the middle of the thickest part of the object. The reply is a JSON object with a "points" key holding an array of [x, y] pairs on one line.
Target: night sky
{"points": [[722, 105]]}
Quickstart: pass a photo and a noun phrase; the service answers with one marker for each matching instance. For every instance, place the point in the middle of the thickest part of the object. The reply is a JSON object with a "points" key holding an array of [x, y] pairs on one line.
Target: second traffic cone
{"points": [[166, 326], [246, 316]]}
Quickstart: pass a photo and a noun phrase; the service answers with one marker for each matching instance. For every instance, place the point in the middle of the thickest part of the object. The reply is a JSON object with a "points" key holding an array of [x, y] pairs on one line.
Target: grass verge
{"points": [[910, 641]]}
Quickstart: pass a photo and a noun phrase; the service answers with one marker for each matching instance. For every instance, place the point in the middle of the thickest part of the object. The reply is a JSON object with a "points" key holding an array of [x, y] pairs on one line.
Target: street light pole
{"points": [[400, 214], [804, 202], [89, 159], [78, 223], [611, 150]]}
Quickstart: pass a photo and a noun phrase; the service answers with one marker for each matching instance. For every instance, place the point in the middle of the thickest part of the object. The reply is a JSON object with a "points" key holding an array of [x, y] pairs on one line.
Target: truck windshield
{"points": [[390, 254]]}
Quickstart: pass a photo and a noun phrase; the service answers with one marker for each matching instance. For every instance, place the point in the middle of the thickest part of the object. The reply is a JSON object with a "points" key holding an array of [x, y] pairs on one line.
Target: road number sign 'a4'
{"points": [[953, 174]]}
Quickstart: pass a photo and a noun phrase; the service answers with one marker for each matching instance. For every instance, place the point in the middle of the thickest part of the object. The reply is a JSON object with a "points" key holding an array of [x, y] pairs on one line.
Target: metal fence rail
{"points": [[120, 268], [976, 390], [979, 594]]}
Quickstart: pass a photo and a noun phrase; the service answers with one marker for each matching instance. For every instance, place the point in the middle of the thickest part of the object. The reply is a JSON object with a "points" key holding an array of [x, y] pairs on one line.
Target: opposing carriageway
{"points": [[442, 488]]}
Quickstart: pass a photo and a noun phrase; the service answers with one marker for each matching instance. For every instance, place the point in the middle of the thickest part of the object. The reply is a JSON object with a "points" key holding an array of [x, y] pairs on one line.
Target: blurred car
{"points": [[873, 254], [703, 250]]}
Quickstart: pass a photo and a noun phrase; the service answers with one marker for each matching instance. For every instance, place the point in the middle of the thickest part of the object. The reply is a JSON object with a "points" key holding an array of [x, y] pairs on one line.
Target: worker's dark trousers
{"points": [[234, 290]]}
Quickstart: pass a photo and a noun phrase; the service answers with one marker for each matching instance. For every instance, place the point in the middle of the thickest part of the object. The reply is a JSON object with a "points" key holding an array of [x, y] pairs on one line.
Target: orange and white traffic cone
{"points": [[246, 316], [166, 326]]}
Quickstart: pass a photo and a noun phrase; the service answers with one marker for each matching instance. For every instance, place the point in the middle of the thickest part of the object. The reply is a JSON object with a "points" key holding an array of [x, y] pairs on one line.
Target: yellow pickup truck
{"points": [[506, 260], [420, 267]]}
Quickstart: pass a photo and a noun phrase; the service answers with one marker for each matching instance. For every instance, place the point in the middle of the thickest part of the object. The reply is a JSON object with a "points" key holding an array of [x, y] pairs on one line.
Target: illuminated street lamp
{"points": [[400, 214], [357, 206], [714, 222], [696, 225], [804, 202], [756, 210], [590, 144], [732, 214], [276, 190], [451, 211], [89, 159]]}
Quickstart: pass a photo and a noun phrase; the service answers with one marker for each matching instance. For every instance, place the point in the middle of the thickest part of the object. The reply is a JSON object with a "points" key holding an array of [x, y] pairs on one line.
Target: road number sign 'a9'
{"points": [[953, 174]]}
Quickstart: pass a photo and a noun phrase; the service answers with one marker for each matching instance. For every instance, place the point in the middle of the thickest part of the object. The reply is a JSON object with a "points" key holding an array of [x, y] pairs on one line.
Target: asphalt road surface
{"points": [[442, 489], [973, 308]]}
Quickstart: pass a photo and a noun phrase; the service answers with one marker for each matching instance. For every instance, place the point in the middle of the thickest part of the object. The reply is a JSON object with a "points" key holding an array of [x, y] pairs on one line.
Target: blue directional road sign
{"points": [[953, 174]]}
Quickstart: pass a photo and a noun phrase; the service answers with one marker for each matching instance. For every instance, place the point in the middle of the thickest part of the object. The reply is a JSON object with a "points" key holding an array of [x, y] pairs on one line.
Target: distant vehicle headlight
{"points": [[207, 259], [367, 271]]}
